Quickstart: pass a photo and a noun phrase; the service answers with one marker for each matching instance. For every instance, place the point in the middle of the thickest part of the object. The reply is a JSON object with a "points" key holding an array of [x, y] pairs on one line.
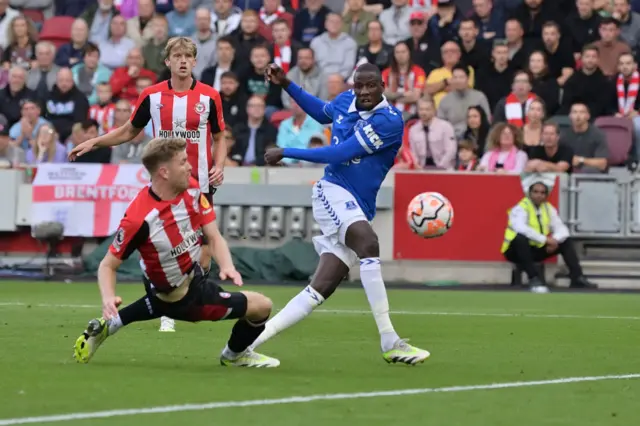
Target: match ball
{"points": [[430, 215]]}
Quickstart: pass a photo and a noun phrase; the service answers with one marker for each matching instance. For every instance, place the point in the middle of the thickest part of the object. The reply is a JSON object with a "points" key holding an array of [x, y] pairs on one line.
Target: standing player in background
{"points": [[165, 223], [180, 107], [366, 137]]}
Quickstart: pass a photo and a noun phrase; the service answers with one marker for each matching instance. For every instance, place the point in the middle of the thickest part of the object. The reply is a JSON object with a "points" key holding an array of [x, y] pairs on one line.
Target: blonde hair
{"points": [[51, 149], [180, 43], [493, 140], [161, 150]]}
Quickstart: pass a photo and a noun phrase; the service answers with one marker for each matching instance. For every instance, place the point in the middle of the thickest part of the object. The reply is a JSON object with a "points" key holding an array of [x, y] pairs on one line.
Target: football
{"points": [[430, 215]]}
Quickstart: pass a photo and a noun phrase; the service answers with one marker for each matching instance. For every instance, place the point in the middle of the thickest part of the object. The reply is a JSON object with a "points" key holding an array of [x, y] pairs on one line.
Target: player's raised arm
{"points": [[318, 109]]}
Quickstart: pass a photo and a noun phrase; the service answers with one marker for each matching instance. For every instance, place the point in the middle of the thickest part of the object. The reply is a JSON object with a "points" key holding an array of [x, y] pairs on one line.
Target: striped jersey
{"points": [[193, 115], [167, 234]]}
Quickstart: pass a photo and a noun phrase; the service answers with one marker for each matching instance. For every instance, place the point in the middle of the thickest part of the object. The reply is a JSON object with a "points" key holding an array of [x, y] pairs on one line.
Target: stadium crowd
{"points": [[493, 85]]}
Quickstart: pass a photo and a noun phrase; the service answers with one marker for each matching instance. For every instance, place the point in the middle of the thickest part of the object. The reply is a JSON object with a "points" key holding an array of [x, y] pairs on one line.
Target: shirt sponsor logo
{"points": [[182, 134], [189, 241], [374, 139]]}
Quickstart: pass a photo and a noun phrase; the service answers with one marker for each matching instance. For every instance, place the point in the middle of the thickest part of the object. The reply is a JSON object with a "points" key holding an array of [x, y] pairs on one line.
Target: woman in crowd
{"points": [[532, 131], [22, 39], [544, 85], [504, 153], [46, 148], [477, 128]]}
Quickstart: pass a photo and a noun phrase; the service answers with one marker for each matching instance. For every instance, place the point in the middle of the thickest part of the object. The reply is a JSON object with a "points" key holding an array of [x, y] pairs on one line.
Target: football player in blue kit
{"points": [[367, 134]]}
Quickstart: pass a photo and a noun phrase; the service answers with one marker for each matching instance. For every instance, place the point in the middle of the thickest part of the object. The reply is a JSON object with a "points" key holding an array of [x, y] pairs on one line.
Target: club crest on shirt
{"points": [[359, 124], [118, 240], [350, 205], [200, 107]]}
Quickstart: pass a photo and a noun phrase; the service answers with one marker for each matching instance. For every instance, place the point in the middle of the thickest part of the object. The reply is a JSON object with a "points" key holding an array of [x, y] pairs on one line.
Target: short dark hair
{"points": [[552, 24], [228, 40], [91, 48], [375, 21], [590, 47], [89, 123], [609, 20], [460, 67], [467, 20], [280, 21], [627, 54], [229, 74], [367, 67], [550, 123]]}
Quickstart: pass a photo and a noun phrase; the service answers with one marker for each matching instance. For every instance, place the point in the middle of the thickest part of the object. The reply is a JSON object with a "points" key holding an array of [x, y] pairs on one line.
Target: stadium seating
{"points": [[35, 15], [562, 121], [279, 116], [619, 134], [57, 30]]}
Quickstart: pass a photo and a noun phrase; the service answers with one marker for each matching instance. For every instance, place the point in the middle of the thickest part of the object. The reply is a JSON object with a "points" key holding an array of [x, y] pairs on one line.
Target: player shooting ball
{"points": [[180, 107], [366, 136]]}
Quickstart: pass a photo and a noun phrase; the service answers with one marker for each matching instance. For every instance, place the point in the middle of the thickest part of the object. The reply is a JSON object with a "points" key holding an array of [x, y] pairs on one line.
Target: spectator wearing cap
{"points": [[10, 154], [297, 130], [114, 50], [98, 17], [425, 50], [46, 148], [334, 40], [70, 54], [42, 76], [90, 73], [376, 51], [308, 23], [12, 95], [182, 19], [432, 140], [123, 80], [444, 24], [395, 21], [205, 41], [26, 130], [610, 46], [233, 99], [139, 28], [355, 21], [307, 75], [489, 19], [66, 104]]}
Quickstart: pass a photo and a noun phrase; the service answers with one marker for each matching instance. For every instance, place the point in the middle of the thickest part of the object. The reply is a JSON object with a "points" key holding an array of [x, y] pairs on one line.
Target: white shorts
{"points": [[335, 209]]}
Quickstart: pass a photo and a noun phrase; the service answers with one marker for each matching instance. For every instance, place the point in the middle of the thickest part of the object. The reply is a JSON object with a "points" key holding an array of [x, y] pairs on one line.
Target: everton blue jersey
{"points": [[379, 132]]}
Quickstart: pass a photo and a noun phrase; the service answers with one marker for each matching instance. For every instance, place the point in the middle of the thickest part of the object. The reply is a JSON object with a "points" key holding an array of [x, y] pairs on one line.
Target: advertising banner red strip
{"points": [[480, 203]]}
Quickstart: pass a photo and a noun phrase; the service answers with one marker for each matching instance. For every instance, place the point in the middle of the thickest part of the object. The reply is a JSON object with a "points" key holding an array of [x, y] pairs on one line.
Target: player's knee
{"points": [[368, 247], [258, 306]]}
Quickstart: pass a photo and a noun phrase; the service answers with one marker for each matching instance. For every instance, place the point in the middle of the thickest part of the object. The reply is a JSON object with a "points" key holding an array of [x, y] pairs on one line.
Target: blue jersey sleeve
{"points": [[318, 109]]}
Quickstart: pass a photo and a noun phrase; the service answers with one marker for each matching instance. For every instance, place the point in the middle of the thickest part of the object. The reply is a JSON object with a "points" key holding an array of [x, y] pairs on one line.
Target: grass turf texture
{"points": [[329, 353]]}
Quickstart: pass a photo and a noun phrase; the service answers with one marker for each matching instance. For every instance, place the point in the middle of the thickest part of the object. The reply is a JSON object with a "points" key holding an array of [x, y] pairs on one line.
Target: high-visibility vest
{"points": [[543, 226]]}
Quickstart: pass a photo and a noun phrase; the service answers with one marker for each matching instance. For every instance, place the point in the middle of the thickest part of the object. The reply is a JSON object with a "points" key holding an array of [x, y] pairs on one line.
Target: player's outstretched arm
{"points": [[333, 154], [221, 253], [122, 134], [107, 283]]}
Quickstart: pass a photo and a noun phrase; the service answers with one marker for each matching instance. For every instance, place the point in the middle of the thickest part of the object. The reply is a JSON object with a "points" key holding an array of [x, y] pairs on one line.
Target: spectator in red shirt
{"points": [[403, 80], [123, 80]]}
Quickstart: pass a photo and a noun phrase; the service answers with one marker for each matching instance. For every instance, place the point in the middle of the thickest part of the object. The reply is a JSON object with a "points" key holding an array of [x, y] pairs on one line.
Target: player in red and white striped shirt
{"points": [[165, 223], [180, 107]]}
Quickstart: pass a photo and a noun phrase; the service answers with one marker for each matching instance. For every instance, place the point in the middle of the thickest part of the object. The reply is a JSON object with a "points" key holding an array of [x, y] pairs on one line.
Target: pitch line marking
{"points": [[303, 399]]}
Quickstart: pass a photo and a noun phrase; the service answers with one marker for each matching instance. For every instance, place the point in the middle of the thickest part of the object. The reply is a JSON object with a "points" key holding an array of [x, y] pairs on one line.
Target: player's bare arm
{"points": [[221, 253], [107, 283], [122, 134], [216, 174]]}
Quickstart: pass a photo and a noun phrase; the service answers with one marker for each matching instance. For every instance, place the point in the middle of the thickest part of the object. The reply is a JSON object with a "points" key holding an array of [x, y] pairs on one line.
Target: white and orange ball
{"points": [[430, 215]]}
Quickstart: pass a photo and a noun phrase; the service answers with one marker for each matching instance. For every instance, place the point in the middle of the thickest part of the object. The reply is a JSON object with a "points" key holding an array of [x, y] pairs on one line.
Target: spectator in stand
{"points": [[544, 85], [98, 155], [519, 48], [153, 52], [7, 14], [355, 21], [474, 51], [628, 101], [432, 140], [477, 129], [182, 19], [230, 141], [130, 152], [489, 19], [271, 10], [66, 104], [257, 85], [164, 6], [583, 26], [610, 46], [21, 40], [445, 23], [495, 77], [44, 72], [98, 17], [376, 52], [425, 50], [588, 143], [335, 86], [310, 21], [550, 156], [395, 22], [70, 54], [104, 110], [504, 153], [123, 80], [90, 73], [307, 75], [296, 131], [253, 136], [316, 141], [514, 107], [226, 62], [455, 105], [629, 24], [46, 148], [580, 86], [13, 94], [559, 55], [467, 160], [532, 131], [10, 155], [234, 100], [404, 81], [225, 18], [25, 131], [121, 114], [113, 51], [138, 28], [533, 14], [377, 6], [284, 51], [334, 40], [438, 80], [247, 37], [205, 41]]}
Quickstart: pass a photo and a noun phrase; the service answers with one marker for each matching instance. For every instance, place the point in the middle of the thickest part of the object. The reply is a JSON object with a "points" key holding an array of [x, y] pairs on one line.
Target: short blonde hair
{"points": [[161, 150], [180, 43]]}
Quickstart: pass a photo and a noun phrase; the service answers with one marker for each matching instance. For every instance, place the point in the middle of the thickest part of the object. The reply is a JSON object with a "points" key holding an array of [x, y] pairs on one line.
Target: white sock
{"points": [[229, 354], [299, 307], [114, 324], [371, 277]]}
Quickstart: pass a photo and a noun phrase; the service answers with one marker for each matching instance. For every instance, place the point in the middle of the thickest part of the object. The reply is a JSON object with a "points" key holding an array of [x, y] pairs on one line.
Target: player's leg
{"points": [[99, 329], [328, 276], [362, 239]]}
